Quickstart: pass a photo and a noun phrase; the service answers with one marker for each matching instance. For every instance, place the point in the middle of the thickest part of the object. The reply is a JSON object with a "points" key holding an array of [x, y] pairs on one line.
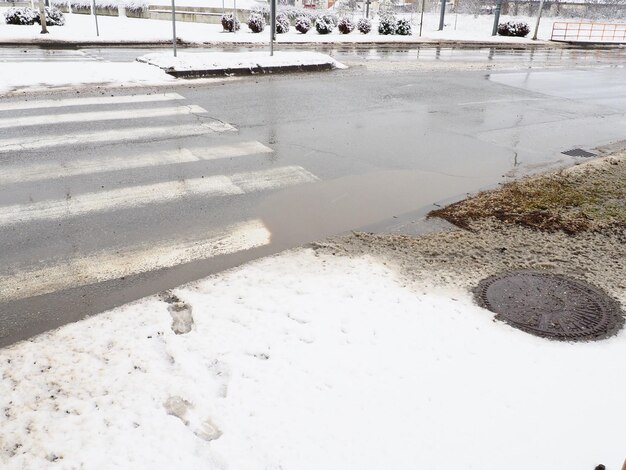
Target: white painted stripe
{"points": [[272, 179], [114, 135], [53, 170], [137, 196], [90, 117], [107, 265], [88, 101], [124, 198], [500, 101]]}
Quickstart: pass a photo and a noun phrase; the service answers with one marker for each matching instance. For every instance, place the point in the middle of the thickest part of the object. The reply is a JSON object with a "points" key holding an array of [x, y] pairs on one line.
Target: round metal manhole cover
{"points": [[550, 305]]}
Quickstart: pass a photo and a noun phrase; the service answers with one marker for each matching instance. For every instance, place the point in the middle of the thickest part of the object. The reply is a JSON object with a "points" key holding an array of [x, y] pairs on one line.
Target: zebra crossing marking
{"points": [[108, 265], [89, 101], [56, 170], [142, 195], [95, 116]]}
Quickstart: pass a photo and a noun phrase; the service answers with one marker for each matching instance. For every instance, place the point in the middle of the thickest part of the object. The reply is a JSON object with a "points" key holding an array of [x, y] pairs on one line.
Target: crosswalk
{"points": [[55, 153]]}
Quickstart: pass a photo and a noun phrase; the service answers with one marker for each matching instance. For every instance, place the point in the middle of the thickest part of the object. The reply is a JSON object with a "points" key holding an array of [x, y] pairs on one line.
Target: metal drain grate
{"points": [[579, 153], [550, 306]]}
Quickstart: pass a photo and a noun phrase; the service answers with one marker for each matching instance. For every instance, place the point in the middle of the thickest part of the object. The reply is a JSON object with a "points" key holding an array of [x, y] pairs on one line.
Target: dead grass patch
{"points": [[588, 197]]}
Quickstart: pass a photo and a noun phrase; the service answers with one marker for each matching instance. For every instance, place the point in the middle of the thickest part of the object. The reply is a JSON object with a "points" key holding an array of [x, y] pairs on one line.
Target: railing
{"points": [[608, 33]]}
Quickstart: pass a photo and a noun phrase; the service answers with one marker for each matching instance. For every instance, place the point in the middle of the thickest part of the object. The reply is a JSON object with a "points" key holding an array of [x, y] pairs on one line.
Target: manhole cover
{"points": [[579, 153], [550, 305]]}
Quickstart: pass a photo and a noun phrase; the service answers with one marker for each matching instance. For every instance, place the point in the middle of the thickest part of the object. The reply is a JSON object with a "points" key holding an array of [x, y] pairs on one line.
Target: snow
{"points": [[309, 361], [236, 60], [21, 75], [81, 28]]}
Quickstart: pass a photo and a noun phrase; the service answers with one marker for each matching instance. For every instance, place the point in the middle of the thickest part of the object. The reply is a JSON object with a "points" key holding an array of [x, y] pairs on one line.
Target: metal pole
{"points": [[235, 16], [442, 14], [174, 26], [367, 8], [42, 18], [496, 17], [95, 16], [272, 25], [538, 20], [422, 17]]}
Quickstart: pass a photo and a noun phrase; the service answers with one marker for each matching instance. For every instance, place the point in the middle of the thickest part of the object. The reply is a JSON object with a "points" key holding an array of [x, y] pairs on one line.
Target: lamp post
{"points": [[442, 14], [538, 20], [496, 17], [272, 25], [42, 17], [174, 26]]}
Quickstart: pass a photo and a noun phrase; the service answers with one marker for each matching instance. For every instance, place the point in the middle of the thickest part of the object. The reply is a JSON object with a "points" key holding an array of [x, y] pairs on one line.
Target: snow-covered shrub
{"points": [[303, 24], [230, 22], [403, 27], [54, 17], [262, 10], [511, 28], [387, 25], [256, 23], [136, 5], [21, 16], [364, 25], [345, 25], [282, 23], [293, 12], [324, 24], [329, 15]]}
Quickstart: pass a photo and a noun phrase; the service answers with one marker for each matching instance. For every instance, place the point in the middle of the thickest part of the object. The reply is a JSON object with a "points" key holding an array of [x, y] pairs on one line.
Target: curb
{"points": [[249, 71]]}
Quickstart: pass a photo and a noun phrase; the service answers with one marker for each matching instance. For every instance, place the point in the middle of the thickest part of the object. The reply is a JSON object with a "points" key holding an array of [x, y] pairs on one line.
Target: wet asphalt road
{"points": [[103, 202]]}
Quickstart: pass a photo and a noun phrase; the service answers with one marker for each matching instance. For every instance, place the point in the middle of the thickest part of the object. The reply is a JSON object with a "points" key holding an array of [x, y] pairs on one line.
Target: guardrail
{"points": [[599, 33]]}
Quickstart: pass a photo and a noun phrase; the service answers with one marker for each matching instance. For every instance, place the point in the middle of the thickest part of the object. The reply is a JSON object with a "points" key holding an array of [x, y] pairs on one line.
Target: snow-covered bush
{"points": [[303, 24], [282, 23], [136, 5], [345, 25], [262, 10], [230, 22], [20, 16], [403, 27], [387, 25], [329, 15], [511, 28], [256, 23], [293, 12], [54, 17], [364, 25], [324, 24]]}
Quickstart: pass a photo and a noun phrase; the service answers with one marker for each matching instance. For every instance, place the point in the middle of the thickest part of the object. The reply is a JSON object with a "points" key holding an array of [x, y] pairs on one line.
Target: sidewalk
{"points": [[363, 352]]}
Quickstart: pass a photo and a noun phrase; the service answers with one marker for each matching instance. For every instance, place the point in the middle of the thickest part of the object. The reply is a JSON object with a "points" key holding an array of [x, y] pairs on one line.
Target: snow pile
{"points": [[306, 361], [236, 60]]}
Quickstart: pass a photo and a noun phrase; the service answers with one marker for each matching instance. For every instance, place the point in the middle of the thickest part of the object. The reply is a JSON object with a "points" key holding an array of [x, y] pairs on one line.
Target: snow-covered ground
{"points": [[44, 75], [81, 28], [309, 361]]}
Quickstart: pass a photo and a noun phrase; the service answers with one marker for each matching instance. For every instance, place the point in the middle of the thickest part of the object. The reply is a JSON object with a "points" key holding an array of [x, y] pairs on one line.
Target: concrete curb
{"points": [[250, 71]]}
